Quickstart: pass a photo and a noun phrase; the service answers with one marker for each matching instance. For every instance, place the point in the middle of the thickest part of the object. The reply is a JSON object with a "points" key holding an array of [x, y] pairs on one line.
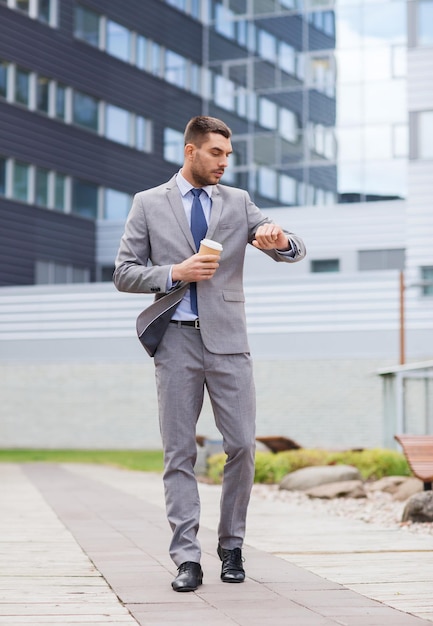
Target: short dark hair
{"points": [[201, 125]]}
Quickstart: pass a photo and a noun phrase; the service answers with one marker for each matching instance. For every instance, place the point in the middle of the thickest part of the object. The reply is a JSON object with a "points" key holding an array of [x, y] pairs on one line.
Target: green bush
{"points": [[374, 463], [271, 468]]}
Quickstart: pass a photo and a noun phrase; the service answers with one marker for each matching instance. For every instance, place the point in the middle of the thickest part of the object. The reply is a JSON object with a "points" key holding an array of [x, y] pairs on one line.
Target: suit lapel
{"points": [[175, 202], [215, 214]]}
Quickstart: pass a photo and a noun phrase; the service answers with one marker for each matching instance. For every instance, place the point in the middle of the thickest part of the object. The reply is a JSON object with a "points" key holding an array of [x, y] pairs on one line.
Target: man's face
{"points": [[206, 164]]}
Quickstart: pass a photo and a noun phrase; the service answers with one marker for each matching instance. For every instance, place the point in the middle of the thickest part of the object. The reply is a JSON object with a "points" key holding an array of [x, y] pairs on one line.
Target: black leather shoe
{"points": [[189, 577], [232, 570]]}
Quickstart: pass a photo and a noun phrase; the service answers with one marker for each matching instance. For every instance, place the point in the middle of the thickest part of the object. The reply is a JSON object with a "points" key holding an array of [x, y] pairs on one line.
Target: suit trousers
{"points": [[183, 368]]}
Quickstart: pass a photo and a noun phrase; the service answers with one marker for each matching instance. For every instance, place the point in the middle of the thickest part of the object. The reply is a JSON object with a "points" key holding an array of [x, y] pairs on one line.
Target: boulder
{"points": [[313, 476], [408, 488], [400, 487], [419, 508], [344, 489], [389, 484]]}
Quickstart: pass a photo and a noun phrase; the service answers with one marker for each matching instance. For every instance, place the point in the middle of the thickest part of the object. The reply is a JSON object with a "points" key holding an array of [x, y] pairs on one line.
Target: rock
{"points": [[408, 488], [344, 489], [400, 487], [313, 476], [419, 508], [389, 484]]}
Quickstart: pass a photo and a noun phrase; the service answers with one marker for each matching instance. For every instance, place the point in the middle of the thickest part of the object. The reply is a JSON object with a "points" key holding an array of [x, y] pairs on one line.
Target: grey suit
{"points": [[157, 235]]}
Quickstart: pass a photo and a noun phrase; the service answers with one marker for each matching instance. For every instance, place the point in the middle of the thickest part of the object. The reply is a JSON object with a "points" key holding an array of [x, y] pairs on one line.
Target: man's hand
{"points": [[270, 237], [196, 268]]}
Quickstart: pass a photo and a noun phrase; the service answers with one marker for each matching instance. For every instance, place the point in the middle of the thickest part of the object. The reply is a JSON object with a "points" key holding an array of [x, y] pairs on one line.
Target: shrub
{"points": [[374, 463], [271, 468]]}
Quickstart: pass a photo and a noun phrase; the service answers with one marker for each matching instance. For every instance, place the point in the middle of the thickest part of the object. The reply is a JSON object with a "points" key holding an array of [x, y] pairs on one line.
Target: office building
{"points": [[94, 97]]}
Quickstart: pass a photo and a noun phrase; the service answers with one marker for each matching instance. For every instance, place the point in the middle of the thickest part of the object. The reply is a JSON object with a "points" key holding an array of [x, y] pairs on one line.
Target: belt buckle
{"points": [[197, 324]]}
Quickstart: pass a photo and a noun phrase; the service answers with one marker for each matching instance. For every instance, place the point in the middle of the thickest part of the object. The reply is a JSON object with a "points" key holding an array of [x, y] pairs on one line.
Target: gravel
{"points": [[377, 508]]}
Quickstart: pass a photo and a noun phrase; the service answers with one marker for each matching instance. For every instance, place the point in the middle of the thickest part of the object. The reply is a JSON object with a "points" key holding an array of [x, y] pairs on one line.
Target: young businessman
{"points": [[206, 342]]}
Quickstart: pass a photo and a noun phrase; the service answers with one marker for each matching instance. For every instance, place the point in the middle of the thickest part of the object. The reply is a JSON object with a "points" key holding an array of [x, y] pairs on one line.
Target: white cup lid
{"points": [[211, 244]]}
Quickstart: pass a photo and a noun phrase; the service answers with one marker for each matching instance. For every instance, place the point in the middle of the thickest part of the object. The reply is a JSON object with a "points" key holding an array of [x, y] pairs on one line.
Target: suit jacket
{"points": [[157, 235]]}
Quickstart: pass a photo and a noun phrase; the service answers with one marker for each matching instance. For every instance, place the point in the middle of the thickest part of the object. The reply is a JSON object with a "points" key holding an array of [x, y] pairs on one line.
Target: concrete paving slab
{"points": [[108, 526]]}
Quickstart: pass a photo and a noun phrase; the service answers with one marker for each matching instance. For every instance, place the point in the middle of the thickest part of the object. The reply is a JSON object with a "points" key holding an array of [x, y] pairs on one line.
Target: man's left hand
{"points": [[270, 237]]}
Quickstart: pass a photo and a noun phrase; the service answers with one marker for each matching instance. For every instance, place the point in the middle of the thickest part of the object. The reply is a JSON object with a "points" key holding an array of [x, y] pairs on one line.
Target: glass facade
{"points": [[425, 23], [425, 135], [322, 89]]}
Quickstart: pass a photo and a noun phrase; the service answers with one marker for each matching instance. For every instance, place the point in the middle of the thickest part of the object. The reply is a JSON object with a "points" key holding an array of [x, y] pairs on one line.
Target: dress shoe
{"points": [[232, 570], [189, 577]]}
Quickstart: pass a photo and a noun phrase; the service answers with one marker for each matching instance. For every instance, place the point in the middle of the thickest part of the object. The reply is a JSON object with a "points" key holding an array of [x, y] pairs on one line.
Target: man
{"points": [[206, 342]]}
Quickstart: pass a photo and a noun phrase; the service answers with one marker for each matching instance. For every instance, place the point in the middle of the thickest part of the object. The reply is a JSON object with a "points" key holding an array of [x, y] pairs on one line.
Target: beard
{"points": [[201, 175]]}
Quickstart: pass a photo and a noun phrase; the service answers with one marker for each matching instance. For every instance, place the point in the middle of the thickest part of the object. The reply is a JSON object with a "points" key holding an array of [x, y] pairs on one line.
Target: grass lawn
{"points": [[143, 460]]}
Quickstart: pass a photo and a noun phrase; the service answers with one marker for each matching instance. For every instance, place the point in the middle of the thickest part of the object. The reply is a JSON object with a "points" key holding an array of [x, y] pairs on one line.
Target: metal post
{"points": [[402, 320]]}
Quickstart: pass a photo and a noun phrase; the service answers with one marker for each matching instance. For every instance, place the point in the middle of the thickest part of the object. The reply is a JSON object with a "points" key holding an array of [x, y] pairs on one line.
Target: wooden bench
{"points": [[418, 450]]}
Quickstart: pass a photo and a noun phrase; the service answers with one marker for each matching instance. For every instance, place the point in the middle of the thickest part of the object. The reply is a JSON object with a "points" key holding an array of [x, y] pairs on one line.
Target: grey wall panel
{"points": [[28, 234]]}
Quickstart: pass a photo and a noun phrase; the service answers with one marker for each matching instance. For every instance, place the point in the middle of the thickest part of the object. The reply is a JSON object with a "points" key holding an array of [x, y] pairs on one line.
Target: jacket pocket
{"points": [[233, 296]]}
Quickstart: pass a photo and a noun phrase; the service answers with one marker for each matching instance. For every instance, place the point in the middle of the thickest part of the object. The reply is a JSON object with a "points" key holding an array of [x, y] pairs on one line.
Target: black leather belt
{"points": [[190, 323]]}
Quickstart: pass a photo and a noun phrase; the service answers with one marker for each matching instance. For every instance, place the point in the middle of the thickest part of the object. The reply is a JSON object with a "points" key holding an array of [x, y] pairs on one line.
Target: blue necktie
{"points": [[199, 230]]}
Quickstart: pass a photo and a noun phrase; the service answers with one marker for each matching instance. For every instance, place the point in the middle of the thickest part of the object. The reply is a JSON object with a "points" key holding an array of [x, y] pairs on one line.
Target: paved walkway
{"points": [[87, 545]]}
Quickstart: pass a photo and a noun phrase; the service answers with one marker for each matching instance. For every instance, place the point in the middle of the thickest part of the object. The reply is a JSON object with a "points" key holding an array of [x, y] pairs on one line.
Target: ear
{"points": [[189, 150]]}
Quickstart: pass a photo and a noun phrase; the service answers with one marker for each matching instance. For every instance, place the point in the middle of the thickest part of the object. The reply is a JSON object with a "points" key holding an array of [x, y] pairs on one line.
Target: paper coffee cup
{"points": [[208, 246]]}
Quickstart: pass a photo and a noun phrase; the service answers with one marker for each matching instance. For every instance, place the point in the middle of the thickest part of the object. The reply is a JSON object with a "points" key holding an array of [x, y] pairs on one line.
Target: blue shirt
{"points": [[183, 311]]}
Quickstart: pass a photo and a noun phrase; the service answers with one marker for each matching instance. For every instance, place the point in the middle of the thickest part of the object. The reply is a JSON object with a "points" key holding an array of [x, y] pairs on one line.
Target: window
{"points": [[51, 272], [60, 105], [322, 74], [392, 259], [325, 265], [42, 94], [175, 69], [425, 23], [23, 5], [268, 113], [87, 26], [3, 79], [267, 182], [85, 111], [85, 199], [106, 273], [22, 86], [155, 59], [142, 53], [117, 124], [287, 189], [118, 41], [224, 24], [2, 176], [288, 125], [143, 139], [195, 78], [44, 11], [425, 135], [116, 205], [42, 187], [267, 45], [224, 93], [60, 192], [427, 277], [287, 58], [173, 145], [20, 181]]}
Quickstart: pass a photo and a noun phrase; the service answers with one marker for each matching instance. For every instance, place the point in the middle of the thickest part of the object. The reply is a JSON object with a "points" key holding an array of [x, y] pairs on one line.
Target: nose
{"points": [[223, 161]]}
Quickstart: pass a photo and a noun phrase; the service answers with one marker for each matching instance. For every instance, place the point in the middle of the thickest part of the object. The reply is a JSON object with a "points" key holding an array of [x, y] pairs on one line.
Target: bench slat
{"points": [[418, 450]]}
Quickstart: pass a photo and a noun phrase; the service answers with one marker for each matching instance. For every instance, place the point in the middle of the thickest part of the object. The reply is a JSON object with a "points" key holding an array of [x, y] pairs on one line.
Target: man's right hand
{"points": [[196, 268]]}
